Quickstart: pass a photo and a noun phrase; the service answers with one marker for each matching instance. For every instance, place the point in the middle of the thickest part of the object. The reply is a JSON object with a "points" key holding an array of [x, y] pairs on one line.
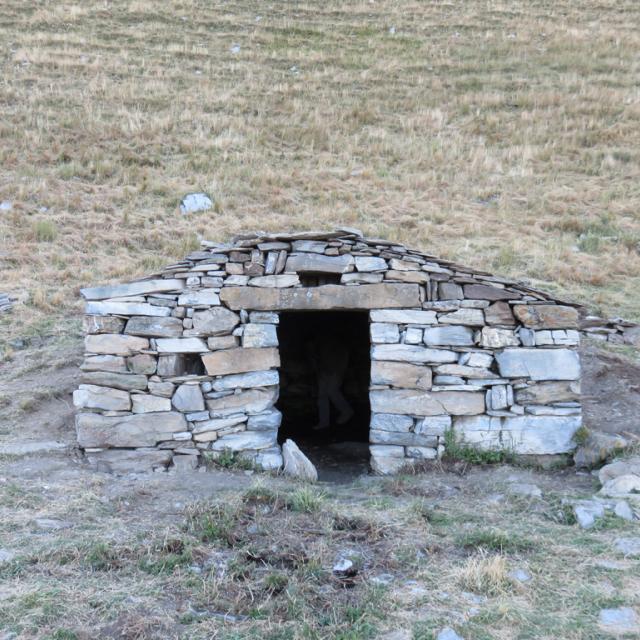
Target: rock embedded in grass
{"points": [[194, 202]]}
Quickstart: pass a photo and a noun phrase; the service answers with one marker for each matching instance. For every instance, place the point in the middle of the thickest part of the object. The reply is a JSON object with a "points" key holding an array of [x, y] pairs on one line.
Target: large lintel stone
{"points": [[539, 364], [132, 289], [365, 296]]}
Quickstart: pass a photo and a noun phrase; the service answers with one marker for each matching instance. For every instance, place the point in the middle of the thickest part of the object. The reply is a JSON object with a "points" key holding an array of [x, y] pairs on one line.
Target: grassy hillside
{"points": [[502, 134]]}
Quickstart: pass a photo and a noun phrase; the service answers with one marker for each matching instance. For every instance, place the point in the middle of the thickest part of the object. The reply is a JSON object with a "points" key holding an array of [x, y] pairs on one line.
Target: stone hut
{"points": [[219, 353]]}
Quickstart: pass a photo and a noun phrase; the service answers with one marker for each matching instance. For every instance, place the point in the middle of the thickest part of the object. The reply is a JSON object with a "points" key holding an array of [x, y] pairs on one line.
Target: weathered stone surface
{"points": [[264, 317], [107, 307], [181, 345], [587, 512], [494, 338], [387, 459], [154, 327], [259, 335], [425, 403], [364, 263], [311, 246], [269, 459], [245, 440], [366, 296], [412, 353], [112, 364], [488, 292], [301, 262], [448, 336], [250, 401], [476, 359], [628, 546], [102, 324], [138, 430], [539, 364], [413, 335], [626, 466], [598, 448], [199, 298], [247, 380], [419, 277], [401, 374], [265, 421], [499, 313], [143, 363], [422, 453], [400, 438], [296, 464], [361, 277], [384, 332], [131, 289], [404, 316], [449, 291], [622, 621], [164, 389], [144, 403], [217, 424], [123, 381], [90, 396], [391, 422], [403, 265], [546, 316], [114, 344], [467, 317], [188, 397], [548, 392], [622, 486], [129, 460], [240, 360], [278, 281], [433, 425], [184, 463], [222, 342], [464, 371]]}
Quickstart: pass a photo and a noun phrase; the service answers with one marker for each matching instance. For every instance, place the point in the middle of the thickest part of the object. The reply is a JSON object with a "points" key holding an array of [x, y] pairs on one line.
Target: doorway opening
{"points": [[324, 388]]}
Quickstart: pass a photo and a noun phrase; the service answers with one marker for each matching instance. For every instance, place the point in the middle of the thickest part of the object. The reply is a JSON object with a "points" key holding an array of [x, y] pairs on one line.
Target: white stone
{"points": [[543, 338], [587, 513], [383, 332], [90, 396], [386, 450], [132, 289], [199, 298], [426, 403], [245, 440], [433, 425], [361, 278], [494, 338], [412, 353], [194, 202], [251, 401], [269, 459], [448, 634], [109, 307], [622, 621], [404, 316], [264, 317], [364, 263], [218, 424], [540, 434], [279, 281], [464, 371], [296, 464], [301, 262], [216, 321], [497, 397], [468, 317], [569, 337], [181, 345], [476, 359], [391, 422], [413, 335], [622, 486], [448, 336], [628, 546], [310, 246], [539, 364], [246, 380], [265, 421], [259, 335], [188, 397], [623, 510], [143, 403], [422, 453]]}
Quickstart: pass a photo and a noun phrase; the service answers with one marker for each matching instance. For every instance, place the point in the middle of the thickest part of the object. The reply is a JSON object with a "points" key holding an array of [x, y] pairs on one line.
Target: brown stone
{"points": [[548, 392], [102, 324], [400, 374], [114, 364], [499, 313], [143, 363], [366, 296], [250, 401], [487, 292], [240, 360], [124, 381], [114, 344], [546, 316]]}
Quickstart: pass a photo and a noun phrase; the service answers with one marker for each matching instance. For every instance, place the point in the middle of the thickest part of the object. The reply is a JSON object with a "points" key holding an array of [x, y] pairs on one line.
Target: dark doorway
{"points": [[324, 388]]}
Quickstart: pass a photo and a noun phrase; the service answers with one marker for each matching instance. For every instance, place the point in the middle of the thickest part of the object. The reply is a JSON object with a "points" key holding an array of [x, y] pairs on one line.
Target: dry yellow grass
{"points": [[503, 134]]}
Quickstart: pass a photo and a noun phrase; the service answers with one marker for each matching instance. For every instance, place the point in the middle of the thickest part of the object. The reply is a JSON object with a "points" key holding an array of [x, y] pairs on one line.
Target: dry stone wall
{"points": [[186, 362]]}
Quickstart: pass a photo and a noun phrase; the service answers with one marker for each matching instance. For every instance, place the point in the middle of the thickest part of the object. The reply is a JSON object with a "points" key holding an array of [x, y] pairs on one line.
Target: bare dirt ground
{"points": [[232, 554]]}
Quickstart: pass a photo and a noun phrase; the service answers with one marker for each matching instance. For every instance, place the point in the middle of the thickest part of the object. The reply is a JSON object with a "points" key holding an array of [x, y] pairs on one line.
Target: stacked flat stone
{"points": [[186, 361], [613, 330]]}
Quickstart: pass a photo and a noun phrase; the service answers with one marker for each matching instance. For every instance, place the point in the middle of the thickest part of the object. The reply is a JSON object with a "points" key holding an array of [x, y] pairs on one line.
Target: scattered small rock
{"points": [[628, 546], [621, 620], [235, 48], [588, 512], [524, 489], [613, 565], [195, 202], [344, 568], [520, 575], [598, 448], [448, 634], [623, 510], [6, 205], [383, 578], [473, 598], [619, 468], [6, 556], [621, 486], [51, 524]]}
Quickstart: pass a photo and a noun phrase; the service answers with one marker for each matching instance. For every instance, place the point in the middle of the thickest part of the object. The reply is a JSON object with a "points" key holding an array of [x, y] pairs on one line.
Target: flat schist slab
{"points": [[539, 364], [427, 403], [365, 296], [132, 289]]}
